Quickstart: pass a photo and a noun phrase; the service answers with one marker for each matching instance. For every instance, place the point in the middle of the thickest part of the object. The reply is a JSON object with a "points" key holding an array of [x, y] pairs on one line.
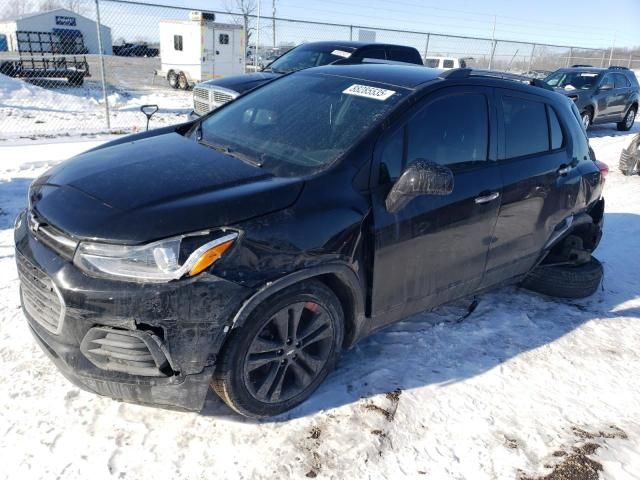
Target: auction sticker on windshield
{"points": [[368, 92], [341, 53]]}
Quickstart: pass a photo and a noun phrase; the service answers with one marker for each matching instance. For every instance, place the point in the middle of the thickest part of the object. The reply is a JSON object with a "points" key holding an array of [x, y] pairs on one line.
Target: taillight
{"points": [[603, 167]]}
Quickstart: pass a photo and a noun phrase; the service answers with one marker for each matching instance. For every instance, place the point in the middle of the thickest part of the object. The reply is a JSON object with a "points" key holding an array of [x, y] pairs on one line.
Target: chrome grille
{"points": [[201, 104], [133, 352], [40, 297], [220, 98], [200, 108]]}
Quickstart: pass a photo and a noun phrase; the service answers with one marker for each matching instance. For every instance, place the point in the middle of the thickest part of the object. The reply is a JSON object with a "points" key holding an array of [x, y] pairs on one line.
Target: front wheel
{"points": [[627, 121], [282, 354], [587, 118], [566, 281]]}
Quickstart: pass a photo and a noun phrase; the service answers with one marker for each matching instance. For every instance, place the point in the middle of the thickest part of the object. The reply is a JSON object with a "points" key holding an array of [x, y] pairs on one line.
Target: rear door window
{"points": [[620, 81], [448, 64], [403, 55], [432, 62], [525, 127]]}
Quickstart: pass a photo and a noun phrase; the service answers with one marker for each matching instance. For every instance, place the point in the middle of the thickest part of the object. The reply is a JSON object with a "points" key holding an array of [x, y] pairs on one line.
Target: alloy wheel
{"points": [[631, 116], [289, 352]]}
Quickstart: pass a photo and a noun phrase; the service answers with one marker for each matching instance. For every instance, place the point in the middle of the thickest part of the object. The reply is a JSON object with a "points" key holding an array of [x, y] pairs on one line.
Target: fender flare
{"points": [[346, 275]]}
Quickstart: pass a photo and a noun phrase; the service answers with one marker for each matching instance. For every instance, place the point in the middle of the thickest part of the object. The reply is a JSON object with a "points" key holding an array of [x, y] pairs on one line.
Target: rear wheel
{"points": [[283, 353], [628, 120], [172, 78], [183, 83], [566, 281], [76, 79]]}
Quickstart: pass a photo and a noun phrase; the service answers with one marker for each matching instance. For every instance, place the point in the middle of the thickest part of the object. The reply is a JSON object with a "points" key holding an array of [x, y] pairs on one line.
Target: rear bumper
{"points": [[186, 319]]}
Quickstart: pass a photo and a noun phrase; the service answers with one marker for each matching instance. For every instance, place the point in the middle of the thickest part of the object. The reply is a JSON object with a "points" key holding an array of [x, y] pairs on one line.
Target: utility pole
{"points": [[612, 47], [273, 16], [493, 43], [257, 37]]}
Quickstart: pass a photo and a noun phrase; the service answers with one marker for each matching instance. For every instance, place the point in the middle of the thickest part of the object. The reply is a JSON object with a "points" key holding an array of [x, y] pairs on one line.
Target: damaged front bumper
{"points": [[152, 344]]}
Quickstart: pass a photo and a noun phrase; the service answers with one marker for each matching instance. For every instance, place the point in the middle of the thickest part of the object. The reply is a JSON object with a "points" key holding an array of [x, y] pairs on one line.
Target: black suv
{"points": [[602, 95], [248, 248], [212, 94]]}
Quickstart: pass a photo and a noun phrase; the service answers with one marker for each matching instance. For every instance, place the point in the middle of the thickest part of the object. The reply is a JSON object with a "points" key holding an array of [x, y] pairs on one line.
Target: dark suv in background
{"points": [[212, 94], [602, 95], [248, 248]]}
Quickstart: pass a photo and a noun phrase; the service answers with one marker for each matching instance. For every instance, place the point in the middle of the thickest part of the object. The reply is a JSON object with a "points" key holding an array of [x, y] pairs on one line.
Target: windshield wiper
{"points": [[232, 153]]}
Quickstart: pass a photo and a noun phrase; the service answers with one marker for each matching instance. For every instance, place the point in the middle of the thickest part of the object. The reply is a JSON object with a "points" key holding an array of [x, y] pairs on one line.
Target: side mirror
{"points": [[420, 178]]}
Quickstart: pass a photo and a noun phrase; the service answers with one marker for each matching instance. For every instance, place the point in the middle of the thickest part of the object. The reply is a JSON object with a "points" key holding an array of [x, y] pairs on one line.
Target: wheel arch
{"points": [[339, 278]]}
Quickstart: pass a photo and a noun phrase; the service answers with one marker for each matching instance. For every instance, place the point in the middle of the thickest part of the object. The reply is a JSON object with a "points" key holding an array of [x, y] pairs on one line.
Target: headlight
{"points": [[161, 261]]}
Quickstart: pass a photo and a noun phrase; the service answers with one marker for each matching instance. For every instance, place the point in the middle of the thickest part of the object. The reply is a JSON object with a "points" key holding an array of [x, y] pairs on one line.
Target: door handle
{"points": [[487, 198], [563, 170]]}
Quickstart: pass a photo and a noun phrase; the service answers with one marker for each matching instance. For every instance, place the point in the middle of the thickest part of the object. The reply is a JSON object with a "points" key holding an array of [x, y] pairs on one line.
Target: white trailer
{"points": [[195, 50]]}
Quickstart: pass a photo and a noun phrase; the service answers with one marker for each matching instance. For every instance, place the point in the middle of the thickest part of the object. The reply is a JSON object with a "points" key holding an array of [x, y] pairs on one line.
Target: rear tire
{"points": [[284, 351], [183, 83], [566, 281], [628, 120], [76, 80]]}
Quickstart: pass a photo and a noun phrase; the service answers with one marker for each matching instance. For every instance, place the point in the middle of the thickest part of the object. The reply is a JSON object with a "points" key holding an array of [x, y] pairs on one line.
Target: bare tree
{"points": [[77, 6], [247, 9], [15, 8]]}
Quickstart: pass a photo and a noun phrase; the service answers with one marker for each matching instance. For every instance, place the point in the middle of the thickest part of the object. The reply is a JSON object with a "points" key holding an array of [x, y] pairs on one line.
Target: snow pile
{"points": [[523, 385], [28, 110]]}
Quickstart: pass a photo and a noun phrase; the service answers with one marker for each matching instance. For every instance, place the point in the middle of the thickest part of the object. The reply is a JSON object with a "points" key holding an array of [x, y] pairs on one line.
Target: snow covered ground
{"points": [[29, 110], [524, 387]]}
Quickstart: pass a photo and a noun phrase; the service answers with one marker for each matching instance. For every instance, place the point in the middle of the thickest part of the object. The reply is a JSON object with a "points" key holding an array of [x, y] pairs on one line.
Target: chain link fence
{"points": [[88, 71]]}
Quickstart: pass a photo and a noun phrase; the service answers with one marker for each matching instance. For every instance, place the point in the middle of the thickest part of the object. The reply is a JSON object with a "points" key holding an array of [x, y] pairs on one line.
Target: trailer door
{"points": [[224, 42], [208, 52]]}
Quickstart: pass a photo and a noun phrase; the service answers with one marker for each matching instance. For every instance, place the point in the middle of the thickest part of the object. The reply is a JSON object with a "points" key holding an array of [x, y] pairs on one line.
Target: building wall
{"points": [[47, 22]]}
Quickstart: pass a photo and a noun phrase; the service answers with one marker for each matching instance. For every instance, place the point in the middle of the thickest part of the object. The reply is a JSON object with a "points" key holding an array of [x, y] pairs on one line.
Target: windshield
{"points": [[299, 123], [307, 57], [573, 80]]}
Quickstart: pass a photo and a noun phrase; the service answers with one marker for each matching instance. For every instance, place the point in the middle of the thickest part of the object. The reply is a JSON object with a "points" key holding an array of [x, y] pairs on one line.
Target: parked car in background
{"points": [[446, 63], [246, 249], [210, 95], [136, 50], [538, 74], [602, 95], [630, 157]]}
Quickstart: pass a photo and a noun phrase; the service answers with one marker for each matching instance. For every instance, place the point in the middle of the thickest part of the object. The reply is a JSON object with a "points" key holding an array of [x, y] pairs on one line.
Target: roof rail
{"points": [[457, 73], [581, 65], [618, 67]]}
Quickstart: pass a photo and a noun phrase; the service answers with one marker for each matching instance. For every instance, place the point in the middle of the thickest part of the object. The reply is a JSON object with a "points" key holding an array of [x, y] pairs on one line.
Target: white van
{"points": [[192, 51]]}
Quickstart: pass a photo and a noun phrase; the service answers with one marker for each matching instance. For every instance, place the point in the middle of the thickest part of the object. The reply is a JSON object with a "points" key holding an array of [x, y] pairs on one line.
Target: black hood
{"points": [[243, 83], [155, 187]]}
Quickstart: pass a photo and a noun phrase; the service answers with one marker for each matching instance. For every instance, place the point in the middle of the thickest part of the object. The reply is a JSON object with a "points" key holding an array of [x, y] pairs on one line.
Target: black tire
{"points": [[628, 120], [566, 281], [76, 80], [236, 379], [172, 78], [183, 83], [587, 118]]}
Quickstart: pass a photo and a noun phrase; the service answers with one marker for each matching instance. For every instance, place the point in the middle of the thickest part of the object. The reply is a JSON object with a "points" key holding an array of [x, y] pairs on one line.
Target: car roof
{"points": [[414, 77], [350, 44], [407, 76], [586, 69]]}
